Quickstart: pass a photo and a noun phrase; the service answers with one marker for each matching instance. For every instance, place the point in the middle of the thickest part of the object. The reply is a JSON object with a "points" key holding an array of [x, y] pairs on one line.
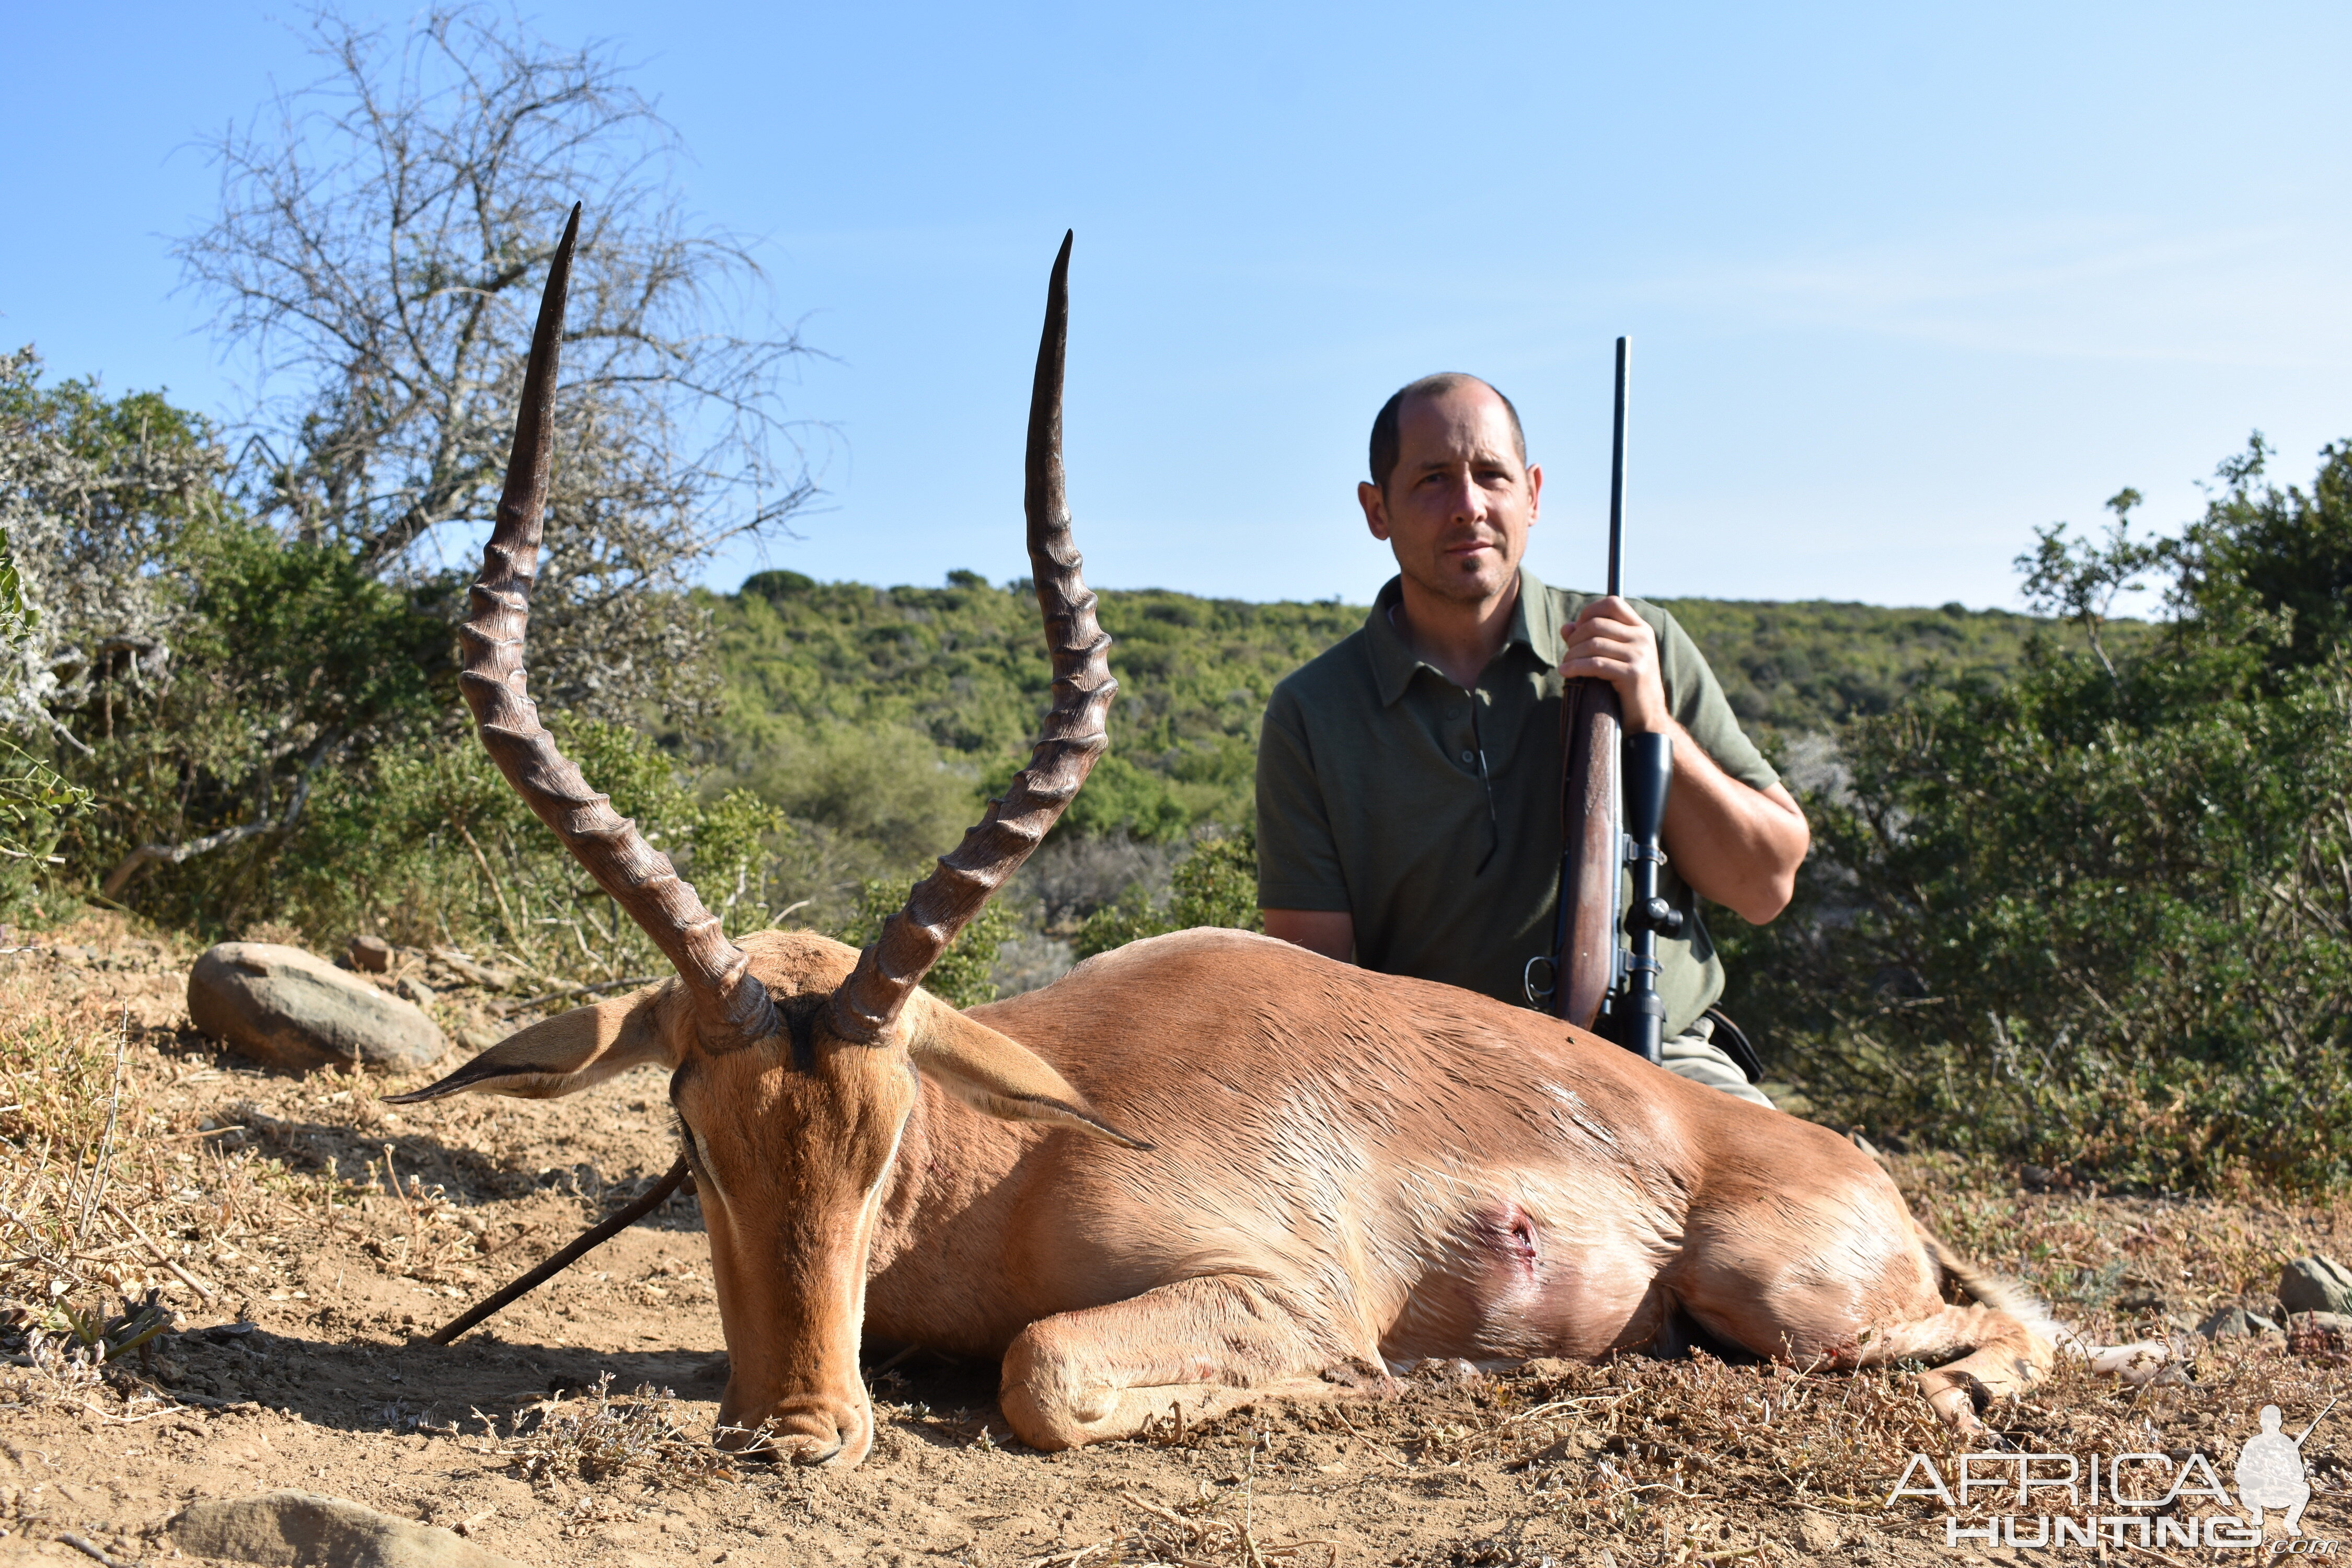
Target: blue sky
{"points": [[1903, 281]]}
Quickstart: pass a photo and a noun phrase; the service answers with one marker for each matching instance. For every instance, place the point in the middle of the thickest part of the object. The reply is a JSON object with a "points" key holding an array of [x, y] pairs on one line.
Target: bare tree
{"points": [[380, 241]]}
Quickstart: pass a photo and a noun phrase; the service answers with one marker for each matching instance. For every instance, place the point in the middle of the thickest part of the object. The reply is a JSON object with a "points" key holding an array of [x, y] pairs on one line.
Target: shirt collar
{"points": [[1393, 662]]}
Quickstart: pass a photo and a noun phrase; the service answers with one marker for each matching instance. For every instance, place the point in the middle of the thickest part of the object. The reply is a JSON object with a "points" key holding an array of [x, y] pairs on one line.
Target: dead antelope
{"points": [[1202, 1166]]}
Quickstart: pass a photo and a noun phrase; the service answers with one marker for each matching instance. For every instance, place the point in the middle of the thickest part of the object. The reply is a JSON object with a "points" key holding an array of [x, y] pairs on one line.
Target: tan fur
{"points": [[1335, 1167]]}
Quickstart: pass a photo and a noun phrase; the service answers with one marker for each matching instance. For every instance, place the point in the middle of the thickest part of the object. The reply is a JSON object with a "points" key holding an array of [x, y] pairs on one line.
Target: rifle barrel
{"points": [[1617, 474]]}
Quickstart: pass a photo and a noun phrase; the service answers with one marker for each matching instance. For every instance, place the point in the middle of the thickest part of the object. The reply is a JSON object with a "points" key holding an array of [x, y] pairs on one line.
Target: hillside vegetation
{"points": [[869, 711]]}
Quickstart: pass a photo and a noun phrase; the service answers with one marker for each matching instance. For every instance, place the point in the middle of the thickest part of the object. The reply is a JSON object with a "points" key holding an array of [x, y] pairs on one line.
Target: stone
{"points": [[2233, 1322], [2316, 1285], [304, 1529], [411, 989], [370, 954], [285, 1007]]}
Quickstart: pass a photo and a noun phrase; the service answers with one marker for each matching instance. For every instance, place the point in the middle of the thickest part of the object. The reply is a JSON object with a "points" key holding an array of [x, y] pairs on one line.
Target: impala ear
{"points": [[565, 1054], [996, 1074]]}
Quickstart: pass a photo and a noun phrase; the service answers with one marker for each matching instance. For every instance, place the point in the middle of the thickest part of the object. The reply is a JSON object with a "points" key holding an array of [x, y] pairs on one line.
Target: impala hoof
{"points": [[789, 1447], [1955, 1397]]}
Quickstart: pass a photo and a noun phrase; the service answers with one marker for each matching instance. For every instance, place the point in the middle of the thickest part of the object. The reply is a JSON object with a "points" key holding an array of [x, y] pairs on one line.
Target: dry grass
{"points": [[1208, 1531], [121, 1205], [597, 1436]]}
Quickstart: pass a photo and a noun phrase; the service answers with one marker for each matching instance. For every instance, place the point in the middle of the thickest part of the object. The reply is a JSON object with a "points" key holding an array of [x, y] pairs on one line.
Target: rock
{"points": [[370, 954], [283, 1006], [1446, 1369], [414, 990], [2233, 1322], [300, 1529], [2316, 1285]]}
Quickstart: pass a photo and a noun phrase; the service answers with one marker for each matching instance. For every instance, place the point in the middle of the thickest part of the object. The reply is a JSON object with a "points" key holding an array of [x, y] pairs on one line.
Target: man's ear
{"points": [[565, 1054], [995, 1074]]}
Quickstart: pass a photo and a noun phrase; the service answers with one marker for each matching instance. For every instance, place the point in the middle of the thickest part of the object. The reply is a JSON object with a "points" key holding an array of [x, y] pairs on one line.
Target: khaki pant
{"points": [[1695, 1054]]}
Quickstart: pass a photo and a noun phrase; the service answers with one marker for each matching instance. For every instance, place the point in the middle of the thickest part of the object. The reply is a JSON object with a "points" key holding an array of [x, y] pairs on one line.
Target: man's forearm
{"points": [[1737, 846], [1331, 933]]}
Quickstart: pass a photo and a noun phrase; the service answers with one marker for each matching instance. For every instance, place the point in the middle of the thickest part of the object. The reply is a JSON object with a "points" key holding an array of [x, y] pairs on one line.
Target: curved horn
{"points": [[732, 1005], [1072, 737]]}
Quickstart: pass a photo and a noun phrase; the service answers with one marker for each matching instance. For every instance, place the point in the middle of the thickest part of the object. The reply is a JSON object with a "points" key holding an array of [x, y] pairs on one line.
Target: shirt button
{"points": [[1465, 756]]}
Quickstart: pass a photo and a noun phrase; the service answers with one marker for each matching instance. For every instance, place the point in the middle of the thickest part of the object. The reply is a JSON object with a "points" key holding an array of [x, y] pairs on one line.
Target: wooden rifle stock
{"points": [[1584, 926]]}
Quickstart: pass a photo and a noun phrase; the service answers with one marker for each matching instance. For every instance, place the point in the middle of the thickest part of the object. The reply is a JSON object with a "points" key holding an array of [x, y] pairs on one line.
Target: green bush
{"points": [[427, 842], [961, 977], [2096, 916], [1216, 885]]}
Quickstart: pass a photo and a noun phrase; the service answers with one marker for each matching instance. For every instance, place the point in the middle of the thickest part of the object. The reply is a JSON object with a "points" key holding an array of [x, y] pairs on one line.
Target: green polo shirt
{"points": [[1431, 813]]}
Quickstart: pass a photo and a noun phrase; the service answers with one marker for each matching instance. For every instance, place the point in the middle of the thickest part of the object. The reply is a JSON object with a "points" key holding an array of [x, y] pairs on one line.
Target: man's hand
{"points": [[1737, 846], [1609, 642]]}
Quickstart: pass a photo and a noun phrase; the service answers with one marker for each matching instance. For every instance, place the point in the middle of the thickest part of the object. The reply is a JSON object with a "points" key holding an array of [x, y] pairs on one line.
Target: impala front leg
{"points": [[1195, 1350]]}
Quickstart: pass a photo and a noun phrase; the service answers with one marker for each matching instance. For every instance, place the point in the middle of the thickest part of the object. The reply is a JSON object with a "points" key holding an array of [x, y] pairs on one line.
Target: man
{"points": [[1409, 779]]}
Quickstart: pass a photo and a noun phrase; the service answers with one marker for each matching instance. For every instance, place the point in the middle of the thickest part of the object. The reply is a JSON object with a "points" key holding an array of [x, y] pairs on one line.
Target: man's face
{"points": [[1457, 508]]}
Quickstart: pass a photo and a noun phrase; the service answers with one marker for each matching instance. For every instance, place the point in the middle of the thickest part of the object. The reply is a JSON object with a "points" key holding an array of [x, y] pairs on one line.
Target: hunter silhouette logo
{"points": [[2094, 1500], [2270, 1471]]}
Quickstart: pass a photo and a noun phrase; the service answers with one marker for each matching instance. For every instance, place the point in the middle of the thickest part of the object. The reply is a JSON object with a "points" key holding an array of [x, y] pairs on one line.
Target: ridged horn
{"points": [[732, 1007], [1072, 737]]}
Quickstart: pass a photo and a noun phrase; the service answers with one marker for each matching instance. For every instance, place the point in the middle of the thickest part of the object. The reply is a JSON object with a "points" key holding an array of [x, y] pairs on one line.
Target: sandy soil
{"points": [[305, 1369]]}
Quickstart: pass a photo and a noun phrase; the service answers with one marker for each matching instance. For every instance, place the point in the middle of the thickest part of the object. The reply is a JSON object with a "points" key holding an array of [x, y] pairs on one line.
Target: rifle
{"points": [[1612, 806]]}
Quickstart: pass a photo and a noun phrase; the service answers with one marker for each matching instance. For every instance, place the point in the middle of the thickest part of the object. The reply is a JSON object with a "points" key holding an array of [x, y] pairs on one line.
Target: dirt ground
{"points": [[331, 1232]]}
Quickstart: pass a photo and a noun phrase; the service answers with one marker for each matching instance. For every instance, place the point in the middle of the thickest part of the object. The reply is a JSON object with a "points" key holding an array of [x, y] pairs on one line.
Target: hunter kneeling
{"points": [[1409, 780]]}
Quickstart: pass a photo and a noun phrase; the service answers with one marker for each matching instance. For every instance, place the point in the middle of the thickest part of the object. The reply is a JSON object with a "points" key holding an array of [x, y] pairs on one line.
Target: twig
{"points": [[228, 1190], [89, 1549], [393, 1177], [506, 915], [589, 1241], [514, 1007], [1072, 1557], [33, 1240], [190, 1280], [1189, 1526], [98, 1175], [180, 854]]}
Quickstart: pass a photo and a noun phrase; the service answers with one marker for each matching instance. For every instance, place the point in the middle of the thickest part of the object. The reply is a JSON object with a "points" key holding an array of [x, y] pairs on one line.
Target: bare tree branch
{"points": [[180, 854], [378, 237]]}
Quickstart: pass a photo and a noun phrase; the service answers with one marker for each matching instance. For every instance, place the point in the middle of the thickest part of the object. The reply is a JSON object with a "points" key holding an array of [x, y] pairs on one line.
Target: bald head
{"points": [[1387, 443]]}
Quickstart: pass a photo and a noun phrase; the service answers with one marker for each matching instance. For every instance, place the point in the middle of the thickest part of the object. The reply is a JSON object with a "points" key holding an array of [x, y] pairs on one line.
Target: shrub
{"points": [[2098, 916], [961, 977], [1216, 885]]}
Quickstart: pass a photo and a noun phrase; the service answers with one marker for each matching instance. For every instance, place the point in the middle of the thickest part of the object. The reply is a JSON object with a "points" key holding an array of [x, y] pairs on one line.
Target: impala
{"points": [[1197, 1170]]}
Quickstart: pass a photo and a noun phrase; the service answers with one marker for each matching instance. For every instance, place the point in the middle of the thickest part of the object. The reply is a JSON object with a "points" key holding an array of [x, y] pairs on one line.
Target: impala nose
{"points": [[801, 1432]]}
